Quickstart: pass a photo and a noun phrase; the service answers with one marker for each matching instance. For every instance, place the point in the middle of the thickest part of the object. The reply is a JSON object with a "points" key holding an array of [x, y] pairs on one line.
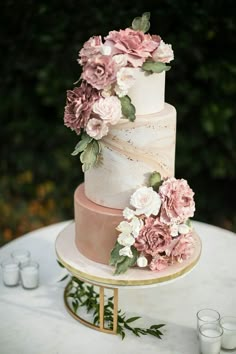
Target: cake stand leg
{"points": [[101, 326]]}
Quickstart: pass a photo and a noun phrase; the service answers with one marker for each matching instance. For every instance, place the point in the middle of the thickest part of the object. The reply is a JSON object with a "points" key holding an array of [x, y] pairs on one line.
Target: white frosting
{"points": [[148, 93], [130, 152]]}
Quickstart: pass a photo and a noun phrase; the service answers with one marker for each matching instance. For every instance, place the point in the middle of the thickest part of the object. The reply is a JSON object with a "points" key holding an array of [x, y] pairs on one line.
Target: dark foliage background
{"points": [[40, 41]]}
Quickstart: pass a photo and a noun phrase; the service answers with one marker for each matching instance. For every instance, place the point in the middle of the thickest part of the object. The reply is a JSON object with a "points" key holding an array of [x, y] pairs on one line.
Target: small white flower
{"points": [[184, 229], [124, 227], [174, 230], [136, 225], [128, 213], [105, 50], [120, 60], [146, 201], [126, 251], [96, 128], [126, 78], [126, 240], [163, 53], [142, 262]]}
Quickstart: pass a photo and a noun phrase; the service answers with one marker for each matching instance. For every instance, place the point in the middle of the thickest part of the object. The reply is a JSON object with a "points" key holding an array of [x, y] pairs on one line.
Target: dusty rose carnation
{"points": [[136, 44], [183, 249], [90, 48], [100, 71], [153, 238], [177, 201], [79, 105], [159, 263]]}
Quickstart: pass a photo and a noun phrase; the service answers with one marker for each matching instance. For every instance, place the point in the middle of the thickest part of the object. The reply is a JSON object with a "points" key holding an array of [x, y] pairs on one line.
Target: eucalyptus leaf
{"points": [[128, 109], [82, 144], [155, 181], [141, 23], [115, 254], [155, 67], [90, 155]]}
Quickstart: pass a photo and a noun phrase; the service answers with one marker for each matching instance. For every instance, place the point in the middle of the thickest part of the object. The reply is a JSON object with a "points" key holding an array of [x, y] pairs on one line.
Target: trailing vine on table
{"points": [[84, 295]]}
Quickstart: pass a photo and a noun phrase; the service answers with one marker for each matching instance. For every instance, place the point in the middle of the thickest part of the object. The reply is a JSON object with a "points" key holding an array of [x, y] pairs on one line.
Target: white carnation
{"points": [[163, 53], [184, 229], [108, 109], [126, 251], [128, 213], [125, 240], [146, 201], [142, 262], [125, 79]]}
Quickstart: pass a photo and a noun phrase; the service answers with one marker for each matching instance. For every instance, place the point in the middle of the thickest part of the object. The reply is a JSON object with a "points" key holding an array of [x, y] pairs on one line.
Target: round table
{"points": [[36, 321]]}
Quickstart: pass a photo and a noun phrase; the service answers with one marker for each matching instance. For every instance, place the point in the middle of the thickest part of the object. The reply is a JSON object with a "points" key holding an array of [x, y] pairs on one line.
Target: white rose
{"points": [[163, 53], [136, 225], [128, 213], [108, 109], [174, 230], [142, 262], [124, 227], [126, 251], [184, 229], [126, 78], [105, 49], [96, 128], [125, 240], [146, 201]]}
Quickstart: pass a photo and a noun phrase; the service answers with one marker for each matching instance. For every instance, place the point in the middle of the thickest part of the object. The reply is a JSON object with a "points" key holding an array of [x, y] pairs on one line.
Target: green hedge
{"points": [[39, 46]]}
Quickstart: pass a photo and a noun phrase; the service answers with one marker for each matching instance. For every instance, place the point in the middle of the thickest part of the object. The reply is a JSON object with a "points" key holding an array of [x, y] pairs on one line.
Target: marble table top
{"points": [[36, 321]]}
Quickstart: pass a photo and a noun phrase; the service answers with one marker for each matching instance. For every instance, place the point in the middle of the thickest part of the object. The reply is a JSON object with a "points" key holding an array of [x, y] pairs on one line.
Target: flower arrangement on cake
{"points": [[157, 231], [109, 70]]}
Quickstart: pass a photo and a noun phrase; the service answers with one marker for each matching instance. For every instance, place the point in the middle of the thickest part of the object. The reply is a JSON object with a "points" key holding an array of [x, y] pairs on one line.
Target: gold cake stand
{"points": [[101, 275]]}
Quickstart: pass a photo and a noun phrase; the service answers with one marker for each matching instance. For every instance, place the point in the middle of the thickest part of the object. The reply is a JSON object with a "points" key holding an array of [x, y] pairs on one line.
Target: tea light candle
{"points": [[207, 316], [228, 323], [10, 272], [210, 338], [29, 275], [21, 256]]}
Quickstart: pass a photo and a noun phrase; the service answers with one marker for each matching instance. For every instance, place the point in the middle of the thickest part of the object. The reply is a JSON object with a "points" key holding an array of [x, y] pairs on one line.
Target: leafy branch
{"points": [[84, 295]]}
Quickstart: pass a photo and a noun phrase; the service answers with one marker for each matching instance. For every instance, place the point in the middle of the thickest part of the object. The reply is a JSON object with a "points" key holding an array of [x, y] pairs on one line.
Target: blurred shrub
{"points": [[39, 46]]}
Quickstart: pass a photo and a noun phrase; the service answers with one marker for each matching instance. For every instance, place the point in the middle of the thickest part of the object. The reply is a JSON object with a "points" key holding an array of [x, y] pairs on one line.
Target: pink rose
{"points": [[100, 71], [137, 45], [90, 48], [153, 238], [96, 128], [183, 248], [79, 106], [108, 109], [163, 53], [177, 201], [159, 263]]}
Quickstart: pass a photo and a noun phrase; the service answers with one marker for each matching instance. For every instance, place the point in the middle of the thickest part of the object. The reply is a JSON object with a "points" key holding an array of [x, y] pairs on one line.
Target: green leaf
{"points": [[155, 67], [128, 109], [60, 264], [123, 265], [89, 156], [155, 181], [157, 326], [82, 144], [65, 277], [132, 319], [114, 257], [141, 23]]}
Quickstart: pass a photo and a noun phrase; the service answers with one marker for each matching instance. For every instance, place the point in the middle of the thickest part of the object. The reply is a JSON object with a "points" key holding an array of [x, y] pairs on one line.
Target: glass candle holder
{"points": [[207, 316], [228, 324], [21, 256], [210, 335], [29, 273], [10, 272]]}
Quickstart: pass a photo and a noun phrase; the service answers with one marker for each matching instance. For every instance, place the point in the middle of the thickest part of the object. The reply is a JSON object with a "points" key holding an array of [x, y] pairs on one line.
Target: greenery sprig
{"points": [[84, 295]]}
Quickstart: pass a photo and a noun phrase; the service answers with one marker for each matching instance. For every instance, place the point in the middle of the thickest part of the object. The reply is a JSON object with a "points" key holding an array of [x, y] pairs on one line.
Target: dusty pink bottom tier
{"points": [[95, 227]]}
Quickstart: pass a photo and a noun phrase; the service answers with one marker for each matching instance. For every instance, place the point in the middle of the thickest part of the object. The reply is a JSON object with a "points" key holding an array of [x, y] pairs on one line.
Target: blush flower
{"points": [[126, 78], [96, 128], [146, 201], [163, 53], [183, 248], [153, 238], [159, 263], [100, 71], [108, 109], [137, 45], [177, 201], [90, 48], [79, 106]]}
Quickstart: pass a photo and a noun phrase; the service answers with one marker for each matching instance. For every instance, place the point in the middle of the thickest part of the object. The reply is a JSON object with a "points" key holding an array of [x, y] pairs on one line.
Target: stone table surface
{"points": [[36, 321]]}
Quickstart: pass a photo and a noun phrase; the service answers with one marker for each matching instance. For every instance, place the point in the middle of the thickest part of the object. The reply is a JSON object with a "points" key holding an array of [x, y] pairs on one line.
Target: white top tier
{"points": [[148, 93]]}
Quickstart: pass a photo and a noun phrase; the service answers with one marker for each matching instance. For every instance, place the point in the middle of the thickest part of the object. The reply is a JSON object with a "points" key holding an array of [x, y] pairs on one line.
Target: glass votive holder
{"points": [[207, 316], [210, 335], [29, 273], [10, 272], [21, 256], [228, 324]]}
